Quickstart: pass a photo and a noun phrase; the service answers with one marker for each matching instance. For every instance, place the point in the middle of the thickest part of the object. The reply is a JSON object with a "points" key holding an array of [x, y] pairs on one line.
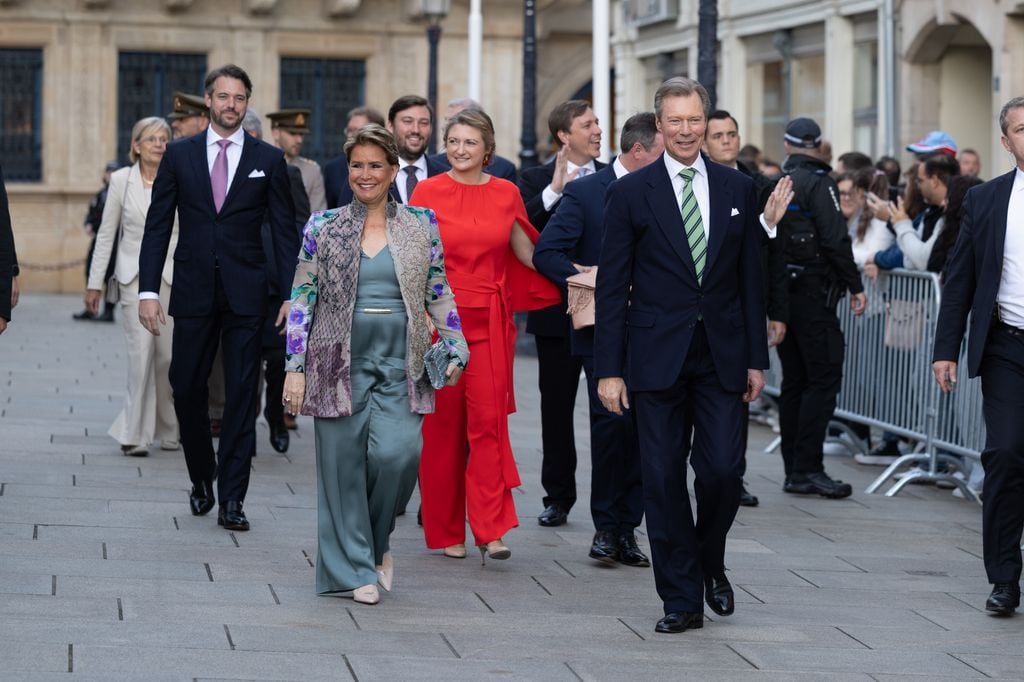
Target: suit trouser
{"points": [[194, 348], [215, 385], [812, 372], [1002, 387], [558, 375], [148, 413], [616, 493], [683, 552]]}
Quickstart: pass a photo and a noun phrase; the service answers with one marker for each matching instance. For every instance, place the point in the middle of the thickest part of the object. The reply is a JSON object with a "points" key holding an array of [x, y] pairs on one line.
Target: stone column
{"points": [[839, 75]]}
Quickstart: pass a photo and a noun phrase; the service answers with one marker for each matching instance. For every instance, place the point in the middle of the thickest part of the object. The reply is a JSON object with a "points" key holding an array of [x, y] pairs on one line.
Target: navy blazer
{"points": [[648, 297], [499, 167], [974, 271], [339, 192], [229, 239], [574, 235]]}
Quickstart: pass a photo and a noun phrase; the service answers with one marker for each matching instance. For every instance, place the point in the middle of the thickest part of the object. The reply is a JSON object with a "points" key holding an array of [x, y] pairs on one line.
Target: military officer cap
{"points": [[291, 120], [188, 105]]}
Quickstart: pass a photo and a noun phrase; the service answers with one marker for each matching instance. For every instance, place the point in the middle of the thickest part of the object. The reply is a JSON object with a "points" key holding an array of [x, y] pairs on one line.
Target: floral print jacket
{"points": [[319, 334]]}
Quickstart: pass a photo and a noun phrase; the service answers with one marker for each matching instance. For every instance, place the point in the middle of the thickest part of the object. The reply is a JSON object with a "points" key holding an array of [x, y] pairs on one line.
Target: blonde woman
{"points": [[148, 413]]}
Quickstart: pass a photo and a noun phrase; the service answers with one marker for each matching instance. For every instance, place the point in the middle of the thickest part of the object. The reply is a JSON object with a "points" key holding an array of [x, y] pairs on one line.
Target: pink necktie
{"points": [[219, 175]]}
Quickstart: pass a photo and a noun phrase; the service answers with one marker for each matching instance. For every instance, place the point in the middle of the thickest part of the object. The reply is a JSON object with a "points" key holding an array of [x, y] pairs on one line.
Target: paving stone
{"points": [[782, 657]]}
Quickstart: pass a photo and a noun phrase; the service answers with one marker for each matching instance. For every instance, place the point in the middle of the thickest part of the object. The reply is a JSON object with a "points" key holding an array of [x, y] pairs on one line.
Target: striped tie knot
{"points": [[693, 224], [687, 174]]}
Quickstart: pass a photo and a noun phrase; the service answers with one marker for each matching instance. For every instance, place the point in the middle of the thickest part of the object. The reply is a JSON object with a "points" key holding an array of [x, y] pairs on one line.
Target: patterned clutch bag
{"points": [[435, 362]]}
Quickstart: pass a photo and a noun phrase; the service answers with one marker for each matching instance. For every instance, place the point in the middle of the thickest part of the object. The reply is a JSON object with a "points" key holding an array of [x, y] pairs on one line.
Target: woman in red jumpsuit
{"points": [[467, 467]]}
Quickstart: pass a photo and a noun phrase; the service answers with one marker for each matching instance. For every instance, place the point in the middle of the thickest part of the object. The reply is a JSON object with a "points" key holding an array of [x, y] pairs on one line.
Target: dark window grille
{"points": [[146, 82], [21, 105], [329, 88]]}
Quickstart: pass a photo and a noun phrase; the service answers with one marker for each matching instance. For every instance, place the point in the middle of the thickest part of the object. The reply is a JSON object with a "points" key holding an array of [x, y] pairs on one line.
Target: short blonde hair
{"points": [[143, 126], [377, 135], [478, 119]]}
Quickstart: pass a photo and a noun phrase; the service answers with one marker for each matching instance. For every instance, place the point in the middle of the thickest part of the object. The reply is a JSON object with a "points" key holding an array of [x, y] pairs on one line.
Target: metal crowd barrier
{"points": [[888, 381]]}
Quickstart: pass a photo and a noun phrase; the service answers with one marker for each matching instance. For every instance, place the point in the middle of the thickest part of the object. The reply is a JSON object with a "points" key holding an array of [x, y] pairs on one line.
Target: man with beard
{"points": [[411, 121], [221, 185], [575, 129]]}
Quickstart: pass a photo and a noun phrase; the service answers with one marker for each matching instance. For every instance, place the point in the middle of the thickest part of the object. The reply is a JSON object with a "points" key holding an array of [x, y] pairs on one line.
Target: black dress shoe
{"points": [[1005, 598], [818, 483], [629, 553], [719, 595], [553, 516], [681, 621], [201, 499], [232, 517], [605, 547], [279, 437], [746, 499], [84, 315]]}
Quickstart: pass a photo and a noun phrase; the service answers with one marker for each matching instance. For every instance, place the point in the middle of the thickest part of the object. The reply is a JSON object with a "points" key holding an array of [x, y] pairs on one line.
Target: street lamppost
{"points": [[434, 11], [528, 137]]}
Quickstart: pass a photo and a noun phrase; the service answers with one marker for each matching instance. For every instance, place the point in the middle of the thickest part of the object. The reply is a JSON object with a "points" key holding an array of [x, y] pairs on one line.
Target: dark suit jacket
{"points": [[230, 239], [574, 235], [7, 256], [973, 272], [648, 297], [551, 321], [499, 167], [338, 191]]}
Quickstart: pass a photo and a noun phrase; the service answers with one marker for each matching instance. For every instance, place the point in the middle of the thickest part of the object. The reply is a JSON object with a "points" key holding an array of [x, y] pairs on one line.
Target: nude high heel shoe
{"points": [[386, 571], [455, 551], [494, 549], [367, 594]]}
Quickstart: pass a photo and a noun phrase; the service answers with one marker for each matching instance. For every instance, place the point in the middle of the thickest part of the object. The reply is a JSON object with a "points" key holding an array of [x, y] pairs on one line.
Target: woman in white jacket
{"points": [[148, 413]]}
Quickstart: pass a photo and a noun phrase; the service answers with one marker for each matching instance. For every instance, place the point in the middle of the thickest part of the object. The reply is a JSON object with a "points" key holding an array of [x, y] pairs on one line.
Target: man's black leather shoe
{"points": [[201, 498], [746, 499], [818, 483], [553, 516], [605, 547], [1005, 598], [629, 553], [719, 595], [680, 621], [232, 517], [279, 438]]}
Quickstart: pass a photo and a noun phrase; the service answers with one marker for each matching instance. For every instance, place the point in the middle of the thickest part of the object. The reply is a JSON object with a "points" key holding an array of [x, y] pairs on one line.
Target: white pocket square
{"points": [[735, 211], [261, 174]]}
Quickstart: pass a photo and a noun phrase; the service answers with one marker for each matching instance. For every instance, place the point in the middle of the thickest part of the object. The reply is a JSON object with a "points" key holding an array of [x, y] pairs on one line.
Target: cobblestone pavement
{"points": [[104, 573]]}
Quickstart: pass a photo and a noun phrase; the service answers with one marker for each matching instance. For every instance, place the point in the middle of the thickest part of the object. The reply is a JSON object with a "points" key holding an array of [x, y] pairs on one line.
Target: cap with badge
{"points": [[291, 120], [185, 105], [935, 141], [803, 132]]}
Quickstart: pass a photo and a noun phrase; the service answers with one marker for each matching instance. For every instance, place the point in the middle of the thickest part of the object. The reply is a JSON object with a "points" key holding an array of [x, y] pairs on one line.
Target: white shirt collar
{"points": [[589, 165], [674, 166], [237, 137], [619, 169], [1018, 180], [420, 163]]}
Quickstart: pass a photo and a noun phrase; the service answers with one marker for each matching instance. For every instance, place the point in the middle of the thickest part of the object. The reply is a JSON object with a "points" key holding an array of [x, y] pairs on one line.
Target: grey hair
{"points": [[140, 128], [680, 86], [639, 128], [252, 124], [1004, 115], [465, 103]]}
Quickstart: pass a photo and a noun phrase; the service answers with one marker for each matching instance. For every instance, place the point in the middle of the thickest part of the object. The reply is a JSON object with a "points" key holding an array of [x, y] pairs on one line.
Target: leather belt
{"points": [[1013, 331]]}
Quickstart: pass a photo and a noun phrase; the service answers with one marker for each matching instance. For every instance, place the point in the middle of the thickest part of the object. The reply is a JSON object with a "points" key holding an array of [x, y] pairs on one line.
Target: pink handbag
{"points": [[581, 298]]}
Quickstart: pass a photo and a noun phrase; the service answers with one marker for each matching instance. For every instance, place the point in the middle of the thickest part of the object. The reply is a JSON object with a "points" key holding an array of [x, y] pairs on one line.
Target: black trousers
{"points": [[193, 350], [272, 364], [1002, 387], [812, 372], [683, 551], [616, 491], [559, 379]]}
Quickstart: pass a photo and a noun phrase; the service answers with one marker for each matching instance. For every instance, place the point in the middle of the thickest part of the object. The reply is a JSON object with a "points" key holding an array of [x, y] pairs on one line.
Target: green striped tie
{"points": [[693, 225]]}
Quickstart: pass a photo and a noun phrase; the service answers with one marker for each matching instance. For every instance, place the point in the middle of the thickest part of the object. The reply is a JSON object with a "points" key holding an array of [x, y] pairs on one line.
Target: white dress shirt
{"points": [[419, 164], [234, 153], [619, 169], [1010, 297], [550, 197]]}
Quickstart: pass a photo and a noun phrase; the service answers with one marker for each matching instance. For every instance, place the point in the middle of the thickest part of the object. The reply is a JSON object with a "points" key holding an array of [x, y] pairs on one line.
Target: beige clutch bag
{"points": [[581, 298]]}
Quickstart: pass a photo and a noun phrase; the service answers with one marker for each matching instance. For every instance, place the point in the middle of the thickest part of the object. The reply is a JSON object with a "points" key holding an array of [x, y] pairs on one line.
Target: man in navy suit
{"points": [[221, 183], [571, 243], [498, 166], [575, 129], [681, 318], [985, 277], [410, 120]]}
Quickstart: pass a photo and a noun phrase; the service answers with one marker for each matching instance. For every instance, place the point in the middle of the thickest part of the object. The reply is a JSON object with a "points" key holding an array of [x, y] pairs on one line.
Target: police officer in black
{"points": [[813, 253]]}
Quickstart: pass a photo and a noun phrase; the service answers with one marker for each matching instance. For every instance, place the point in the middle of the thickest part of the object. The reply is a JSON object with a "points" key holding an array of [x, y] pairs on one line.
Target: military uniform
{"points": [[813, 254], [296, 121]]}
